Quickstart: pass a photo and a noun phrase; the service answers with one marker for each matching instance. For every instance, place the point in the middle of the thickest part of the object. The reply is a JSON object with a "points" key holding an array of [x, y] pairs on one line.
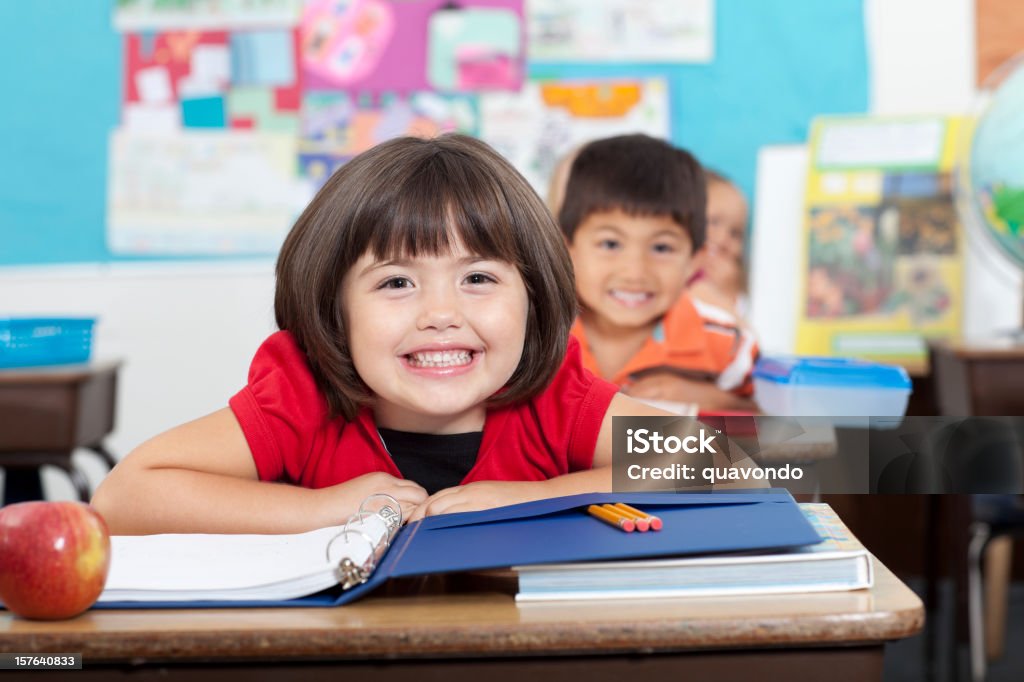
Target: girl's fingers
{"points": [[417, 513], [409, 511], [407, 484], [435, 504], [442, 502], [410, 496]]}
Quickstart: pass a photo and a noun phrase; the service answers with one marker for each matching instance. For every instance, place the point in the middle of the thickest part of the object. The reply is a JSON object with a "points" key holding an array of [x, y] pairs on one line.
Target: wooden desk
{"points": [[48, 412], [484, 635], [975, 379]]}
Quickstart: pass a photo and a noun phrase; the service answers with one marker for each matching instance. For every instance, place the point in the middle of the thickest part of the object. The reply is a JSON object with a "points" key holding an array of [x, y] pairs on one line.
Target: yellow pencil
{"points": [[654, 521], [642, 524], [611, 518]]}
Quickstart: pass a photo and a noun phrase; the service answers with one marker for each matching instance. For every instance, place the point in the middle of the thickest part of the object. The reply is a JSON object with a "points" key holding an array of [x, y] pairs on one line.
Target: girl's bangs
{"points": [[430, 213]]}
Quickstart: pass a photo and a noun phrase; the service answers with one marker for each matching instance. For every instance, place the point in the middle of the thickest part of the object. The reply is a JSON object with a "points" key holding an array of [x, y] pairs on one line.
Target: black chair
{"points": [[992, 516], [982, 456]]}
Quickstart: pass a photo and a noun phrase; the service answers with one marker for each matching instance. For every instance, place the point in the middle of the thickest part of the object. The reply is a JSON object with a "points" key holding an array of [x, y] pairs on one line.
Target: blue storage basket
{"points": [[34, 341]]}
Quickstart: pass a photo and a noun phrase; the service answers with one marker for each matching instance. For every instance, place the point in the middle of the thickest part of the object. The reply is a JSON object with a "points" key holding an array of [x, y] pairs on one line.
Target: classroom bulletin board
{"points": [[769, 68]]}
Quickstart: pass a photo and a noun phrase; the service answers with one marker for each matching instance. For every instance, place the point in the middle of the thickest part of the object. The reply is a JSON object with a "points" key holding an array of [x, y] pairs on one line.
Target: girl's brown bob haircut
{"points": [[412, 197]]}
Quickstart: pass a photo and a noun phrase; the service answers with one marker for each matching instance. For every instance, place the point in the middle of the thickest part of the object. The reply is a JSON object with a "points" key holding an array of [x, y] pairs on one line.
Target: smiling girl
{"points": [[424, 300]]}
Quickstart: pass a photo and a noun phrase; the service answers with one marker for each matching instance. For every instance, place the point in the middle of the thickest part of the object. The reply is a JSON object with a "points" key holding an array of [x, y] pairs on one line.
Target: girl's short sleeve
{"points": [[280, 409], [572, 408]]}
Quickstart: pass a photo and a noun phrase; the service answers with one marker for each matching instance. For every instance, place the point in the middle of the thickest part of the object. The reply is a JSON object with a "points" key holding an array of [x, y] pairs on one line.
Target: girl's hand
{"points": [[479, 495], [346, 497]]}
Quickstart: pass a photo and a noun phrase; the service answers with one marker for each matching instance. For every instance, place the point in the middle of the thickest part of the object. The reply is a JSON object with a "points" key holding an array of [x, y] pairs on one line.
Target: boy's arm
{"points": [[670, 386], [200, 478], [624, 406]]}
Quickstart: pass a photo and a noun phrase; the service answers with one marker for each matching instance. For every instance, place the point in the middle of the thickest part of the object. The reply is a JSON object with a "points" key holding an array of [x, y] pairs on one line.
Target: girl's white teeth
{"points": [[440, 358]]}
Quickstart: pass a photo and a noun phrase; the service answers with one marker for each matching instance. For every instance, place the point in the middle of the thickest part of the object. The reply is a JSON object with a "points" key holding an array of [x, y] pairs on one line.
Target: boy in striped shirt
{"points": [[633, 216]]}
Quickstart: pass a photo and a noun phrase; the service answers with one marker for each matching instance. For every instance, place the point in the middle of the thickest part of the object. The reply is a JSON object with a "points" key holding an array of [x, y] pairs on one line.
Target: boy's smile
{"points": [[632, 299], [434, 337], [629, 269]]}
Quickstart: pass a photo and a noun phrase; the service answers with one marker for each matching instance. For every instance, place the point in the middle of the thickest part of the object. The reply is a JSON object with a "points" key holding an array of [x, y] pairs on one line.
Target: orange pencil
{"points": [[611, 518], [642, 524], [654, 521]]}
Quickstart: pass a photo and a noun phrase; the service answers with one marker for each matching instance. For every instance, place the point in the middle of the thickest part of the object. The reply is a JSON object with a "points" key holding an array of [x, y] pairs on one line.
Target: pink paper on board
{"points": [[379, 45], [480, 70]]}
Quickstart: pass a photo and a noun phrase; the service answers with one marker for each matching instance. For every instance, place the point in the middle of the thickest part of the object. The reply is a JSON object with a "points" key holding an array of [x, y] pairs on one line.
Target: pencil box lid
{"points": [[831, 372]]}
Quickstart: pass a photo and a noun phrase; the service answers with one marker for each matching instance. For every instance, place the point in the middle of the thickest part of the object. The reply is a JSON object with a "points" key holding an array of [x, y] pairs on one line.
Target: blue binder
{"points": [[559, 530]]}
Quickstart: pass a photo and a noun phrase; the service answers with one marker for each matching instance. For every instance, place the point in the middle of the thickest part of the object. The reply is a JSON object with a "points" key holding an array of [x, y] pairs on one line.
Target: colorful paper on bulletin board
{"points": [[883, 265], [182, 194], [404, 46], [537, 126], [135, 15], [337, 126], [668, 31], [211, 79]]}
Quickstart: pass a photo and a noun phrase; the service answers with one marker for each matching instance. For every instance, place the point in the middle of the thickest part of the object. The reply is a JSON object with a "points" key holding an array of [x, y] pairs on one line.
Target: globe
{"points": [[990, 172]]}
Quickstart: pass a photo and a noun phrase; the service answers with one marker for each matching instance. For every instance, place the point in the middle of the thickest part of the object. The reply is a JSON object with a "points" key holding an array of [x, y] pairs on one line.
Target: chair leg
{"points": [[933, 558], [21, 485], [976, 624], [79, 481], [998, 556], [104, 454]]}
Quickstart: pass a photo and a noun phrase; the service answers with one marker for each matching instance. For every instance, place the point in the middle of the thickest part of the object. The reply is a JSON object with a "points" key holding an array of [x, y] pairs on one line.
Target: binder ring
{"points": [[348, 572], [390, 511], [359, 517]]}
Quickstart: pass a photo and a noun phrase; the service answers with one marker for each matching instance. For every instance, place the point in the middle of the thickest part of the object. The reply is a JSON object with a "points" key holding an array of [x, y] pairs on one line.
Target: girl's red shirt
{"points": [[285, 419]]}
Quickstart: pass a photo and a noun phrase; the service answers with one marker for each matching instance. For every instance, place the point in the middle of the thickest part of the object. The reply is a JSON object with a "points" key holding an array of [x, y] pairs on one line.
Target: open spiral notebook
{"points": [[334, 566]]}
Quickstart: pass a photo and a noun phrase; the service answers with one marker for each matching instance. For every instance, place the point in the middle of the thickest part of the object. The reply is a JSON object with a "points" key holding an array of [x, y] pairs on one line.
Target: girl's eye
{"points": [[395, 283], [664, 248], [610, 244], [479, 278]]}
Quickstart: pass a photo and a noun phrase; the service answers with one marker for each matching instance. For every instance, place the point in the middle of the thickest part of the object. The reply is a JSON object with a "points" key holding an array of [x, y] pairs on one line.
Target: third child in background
{"points": [[633, 216], [721, 275], [559, 177]]}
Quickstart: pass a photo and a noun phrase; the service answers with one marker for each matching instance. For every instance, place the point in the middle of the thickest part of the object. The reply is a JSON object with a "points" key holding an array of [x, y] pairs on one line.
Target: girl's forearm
{"points": [[597, 480], [169, 500]]}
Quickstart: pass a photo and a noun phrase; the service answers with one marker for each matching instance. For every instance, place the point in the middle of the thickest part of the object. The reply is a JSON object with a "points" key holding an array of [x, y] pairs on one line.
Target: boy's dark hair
{"points": [[410, 197], [640, 175]]}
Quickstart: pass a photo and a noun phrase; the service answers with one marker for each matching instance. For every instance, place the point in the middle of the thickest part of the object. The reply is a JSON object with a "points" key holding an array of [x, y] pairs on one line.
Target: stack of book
{"points": [[839, 562]]}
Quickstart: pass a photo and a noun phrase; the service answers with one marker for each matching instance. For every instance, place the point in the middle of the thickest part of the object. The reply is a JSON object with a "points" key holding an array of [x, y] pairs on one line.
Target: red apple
{"points": [[54, 558]]}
